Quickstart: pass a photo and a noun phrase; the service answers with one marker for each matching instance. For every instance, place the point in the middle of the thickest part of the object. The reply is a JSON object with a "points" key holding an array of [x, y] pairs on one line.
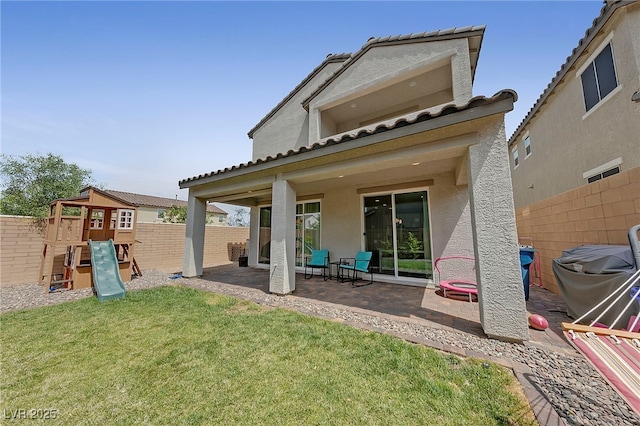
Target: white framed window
{"points": [[514, 155], [598, 75], [603, 171], [97, 219], [527, 145], [161, 214], [125, 218], [113, 220], [220, 218]]}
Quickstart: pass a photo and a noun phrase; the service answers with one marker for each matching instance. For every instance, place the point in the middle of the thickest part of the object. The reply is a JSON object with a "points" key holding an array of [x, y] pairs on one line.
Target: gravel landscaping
{"points": [[577, 392]]}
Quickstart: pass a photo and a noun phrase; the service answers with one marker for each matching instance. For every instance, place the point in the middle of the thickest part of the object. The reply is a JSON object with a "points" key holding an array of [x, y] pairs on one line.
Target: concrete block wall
{"points": [[601, 212], [160, 247], [21, 248]]}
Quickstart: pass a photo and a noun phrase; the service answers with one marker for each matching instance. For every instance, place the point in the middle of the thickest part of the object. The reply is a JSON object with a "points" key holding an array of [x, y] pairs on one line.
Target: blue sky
{"points": [[147, 93]]}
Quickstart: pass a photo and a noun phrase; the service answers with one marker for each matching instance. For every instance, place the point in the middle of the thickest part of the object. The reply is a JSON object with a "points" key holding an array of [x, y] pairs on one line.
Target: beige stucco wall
{"points": [[387, 63], [148, 215], [289, 127], [160, 247], [342, 219], [601, 212], [565, 141]]}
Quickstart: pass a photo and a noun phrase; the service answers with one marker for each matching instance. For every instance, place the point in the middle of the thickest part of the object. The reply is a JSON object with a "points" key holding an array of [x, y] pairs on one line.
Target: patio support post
{"points": [[194, 238], [500, 289], [282, 277]]}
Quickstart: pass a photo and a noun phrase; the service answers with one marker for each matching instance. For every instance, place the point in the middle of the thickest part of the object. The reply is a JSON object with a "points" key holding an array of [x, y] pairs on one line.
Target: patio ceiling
{"points": [[379, 155]]}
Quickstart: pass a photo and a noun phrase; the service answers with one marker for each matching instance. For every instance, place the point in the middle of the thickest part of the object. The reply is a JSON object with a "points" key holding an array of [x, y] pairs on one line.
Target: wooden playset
{"points": [[94, 215]]}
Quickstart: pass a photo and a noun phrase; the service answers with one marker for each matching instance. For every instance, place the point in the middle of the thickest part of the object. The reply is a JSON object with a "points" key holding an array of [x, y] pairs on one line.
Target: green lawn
{"points": [[175, 355]]}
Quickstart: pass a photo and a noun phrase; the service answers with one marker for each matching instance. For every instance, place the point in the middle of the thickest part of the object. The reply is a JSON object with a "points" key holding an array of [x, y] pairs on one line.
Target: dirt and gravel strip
{"points": [[562, 388]]}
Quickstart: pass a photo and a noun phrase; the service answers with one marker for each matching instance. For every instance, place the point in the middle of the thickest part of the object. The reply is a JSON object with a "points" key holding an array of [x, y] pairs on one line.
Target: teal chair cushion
{"points": [[319, 258]]}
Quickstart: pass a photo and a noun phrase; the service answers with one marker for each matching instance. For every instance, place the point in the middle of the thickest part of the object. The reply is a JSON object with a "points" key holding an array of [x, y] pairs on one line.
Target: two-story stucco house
{"points": [[575, 157], [385, 150]]}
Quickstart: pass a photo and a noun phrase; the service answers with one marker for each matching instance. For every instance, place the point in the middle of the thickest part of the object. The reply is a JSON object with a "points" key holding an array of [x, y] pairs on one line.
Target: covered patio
{"points": [[413, 305]]}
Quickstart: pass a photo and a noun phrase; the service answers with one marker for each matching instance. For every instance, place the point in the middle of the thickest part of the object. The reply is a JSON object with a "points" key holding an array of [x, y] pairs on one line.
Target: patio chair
{"points": [[461, 286], [353, 265], [319, 259]]}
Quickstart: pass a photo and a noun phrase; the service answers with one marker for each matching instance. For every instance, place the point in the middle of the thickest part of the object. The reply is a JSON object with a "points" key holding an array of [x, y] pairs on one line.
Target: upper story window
{"points": [[125, 219], [603, 171], [527, 145], [599, 77], [516, 159]]}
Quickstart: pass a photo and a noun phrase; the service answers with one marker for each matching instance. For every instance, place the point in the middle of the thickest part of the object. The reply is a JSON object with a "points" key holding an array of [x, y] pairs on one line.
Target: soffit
{"points": [[408, 130]]}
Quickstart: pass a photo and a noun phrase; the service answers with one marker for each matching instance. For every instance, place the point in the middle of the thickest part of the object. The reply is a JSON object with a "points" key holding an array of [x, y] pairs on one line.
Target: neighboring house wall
{"points": [[570, 141], [160, 247], [566, 141], [597, 213], [148, 215]]}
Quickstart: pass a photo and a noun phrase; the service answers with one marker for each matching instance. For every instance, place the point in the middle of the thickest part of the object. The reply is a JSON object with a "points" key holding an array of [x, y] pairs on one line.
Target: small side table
{"points": [[337, 266]]}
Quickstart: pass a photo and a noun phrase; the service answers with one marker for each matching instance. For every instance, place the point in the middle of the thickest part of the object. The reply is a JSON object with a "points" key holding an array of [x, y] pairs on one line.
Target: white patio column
{"points": [[500, 291], [282, 277], [194, 238]]}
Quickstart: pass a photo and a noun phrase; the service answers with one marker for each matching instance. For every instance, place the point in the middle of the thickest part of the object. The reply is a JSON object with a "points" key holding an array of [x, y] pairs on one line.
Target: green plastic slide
{"points": [[106, 274]]}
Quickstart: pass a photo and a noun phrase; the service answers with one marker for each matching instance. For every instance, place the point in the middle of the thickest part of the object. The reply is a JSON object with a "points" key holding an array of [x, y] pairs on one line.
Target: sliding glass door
{"points": [[264, 238], [397, 232]]}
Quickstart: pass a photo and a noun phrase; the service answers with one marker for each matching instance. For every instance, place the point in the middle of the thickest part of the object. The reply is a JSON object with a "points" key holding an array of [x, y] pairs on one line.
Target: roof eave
{"points": [[478, 107], [466, 32], [605, 14], [328, 60]]}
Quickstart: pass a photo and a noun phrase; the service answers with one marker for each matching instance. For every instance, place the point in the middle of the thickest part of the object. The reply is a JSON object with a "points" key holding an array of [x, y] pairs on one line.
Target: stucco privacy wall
{"points": [[601, 212], [381, 65], [161, 247], [289, 127]]}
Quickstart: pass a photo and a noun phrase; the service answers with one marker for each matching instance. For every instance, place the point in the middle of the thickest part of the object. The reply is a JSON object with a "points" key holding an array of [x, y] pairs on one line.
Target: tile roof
{"points": [[348, 58], [609, 7], [448, 34], [331, 58], [407, 120], [152, 201]]}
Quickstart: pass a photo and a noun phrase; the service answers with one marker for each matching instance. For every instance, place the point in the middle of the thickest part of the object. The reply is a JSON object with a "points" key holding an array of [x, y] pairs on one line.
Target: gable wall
{"points": [[565, 141], [384, 63], [288, 128]]}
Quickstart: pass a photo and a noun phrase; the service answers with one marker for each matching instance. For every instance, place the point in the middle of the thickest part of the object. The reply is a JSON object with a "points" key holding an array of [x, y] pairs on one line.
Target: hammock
{"points": [[615, 353]]}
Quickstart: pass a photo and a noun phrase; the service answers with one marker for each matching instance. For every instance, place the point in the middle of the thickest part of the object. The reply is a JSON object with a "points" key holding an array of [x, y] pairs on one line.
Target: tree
{"points": [[238, 218], [31, 182], [175, 214]]}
